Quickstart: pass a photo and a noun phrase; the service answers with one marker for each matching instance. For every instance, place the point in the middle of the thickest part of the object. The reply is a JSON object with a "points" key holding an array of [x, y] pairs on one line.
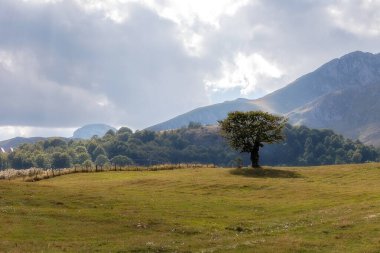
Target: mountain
{"points": [[88, 131], [351, 106], [17, 141], [342, 95], [85, 132], [352, 112], [207, 115]]}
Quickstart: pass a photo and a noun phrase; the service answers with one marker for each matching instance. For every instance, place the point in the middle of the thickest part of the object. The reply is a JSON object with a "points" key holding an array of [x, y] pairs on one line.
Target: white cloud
{"points": [[192, 42], [245, 72], [7, 132], [358, 17], [6, 61], [195, 18], [115, 10], [187, 12], [42, 1]]}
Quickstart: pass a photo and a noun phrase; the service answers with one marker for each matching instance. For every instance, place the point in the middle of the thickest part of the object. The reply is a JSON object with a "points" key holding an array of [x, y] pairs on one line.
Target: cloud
{"points": [[195, 18], [294, 36], [188, 12], [23, 131], [245, 72], [28, 98], [67, 63], [360, 18], [75, 66]]}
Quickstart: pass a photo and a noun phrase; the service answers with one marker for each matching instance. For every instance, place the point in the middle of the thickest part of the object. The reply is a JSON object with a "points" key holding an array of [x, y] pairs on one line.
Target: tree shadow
{"points": [[265, 173]]}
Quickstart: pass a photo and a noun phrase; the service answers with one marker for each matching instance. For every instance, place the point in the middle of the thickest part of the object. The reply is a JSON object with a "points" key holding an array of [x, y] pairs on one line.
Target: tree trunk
{"points": [[255, 156]]}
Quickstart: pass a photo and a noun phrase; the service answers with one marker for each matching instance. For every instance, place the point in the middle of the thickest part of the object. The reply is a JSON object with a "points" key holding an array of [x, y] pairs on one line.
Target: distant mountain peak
{"points": [[88, 131], [356, 54]]}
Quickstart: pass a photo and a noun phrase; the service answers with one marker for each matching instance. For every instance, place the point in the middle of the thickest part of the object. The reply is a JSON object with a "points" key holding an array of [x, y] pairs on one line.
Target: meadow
{"points": [[280, 209]]}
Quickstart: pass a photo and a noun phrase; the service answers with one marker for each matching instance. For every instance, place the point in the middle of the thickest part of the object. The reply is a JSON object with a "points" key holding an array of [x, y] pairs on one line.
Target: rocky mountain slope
{"points": [[342, 95]]}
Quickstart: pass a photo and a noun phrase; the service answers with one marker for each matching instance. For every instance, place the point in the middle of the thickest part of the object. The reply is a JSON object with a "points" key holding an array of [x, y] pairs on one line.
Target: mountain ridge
{"points": [[310, 100]]}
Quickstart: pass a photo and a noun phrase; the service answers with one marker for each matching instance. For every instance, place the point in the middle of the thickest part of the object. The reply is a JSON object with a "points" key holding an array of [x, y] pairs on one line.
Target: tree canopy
{"points": [[302, 146], [121, 160], [101, 160], [247, 131]]}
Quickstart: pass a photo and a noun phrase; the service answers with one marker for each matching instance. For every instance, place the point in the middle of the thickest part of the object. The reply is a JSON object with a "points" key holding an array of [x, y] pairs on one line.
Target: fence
{"points": [[36, 174]]}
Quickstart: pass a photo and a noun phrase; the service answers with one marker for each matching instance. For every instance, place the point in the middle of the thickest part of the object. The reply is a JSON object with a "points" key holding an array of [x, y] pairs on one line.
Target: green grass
{"points": [[311, 209]]}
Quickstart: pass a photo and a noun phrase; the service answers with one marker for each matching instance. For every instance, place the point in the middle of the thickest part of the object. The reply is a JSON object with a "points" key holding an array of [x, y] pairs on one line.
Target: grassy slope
{"points": [[326, 209]]}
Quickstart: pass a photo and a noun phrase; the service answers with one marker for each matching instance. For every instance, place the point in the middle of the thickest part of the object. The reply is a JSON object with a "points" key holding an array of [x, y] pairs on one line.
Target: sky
{"points": [[135, 63]]}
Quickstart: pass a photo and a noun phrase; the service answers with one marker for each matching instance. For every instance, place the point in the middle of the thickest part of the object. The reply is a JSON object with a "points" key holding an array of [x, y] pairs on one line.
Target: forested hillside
{"points": [[194, 144]]}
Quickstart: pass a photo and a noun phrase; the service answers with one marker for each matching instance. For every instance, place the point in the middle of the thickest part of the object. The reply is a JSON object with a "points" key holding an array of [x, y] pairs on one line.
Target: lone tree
{"points": [[247, 131]]}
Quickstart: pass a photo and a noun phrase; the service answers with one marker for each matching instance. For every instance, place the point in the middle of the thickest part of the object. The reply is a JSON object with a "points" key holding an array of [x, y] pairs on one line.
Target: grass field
{"points": [[313, 209]]}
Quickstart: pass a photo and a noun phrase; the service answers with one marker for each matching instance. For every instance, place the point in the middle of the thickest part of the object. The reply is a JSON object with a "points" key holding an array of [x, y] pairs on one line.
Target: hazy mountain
{"points": [[353, 112], [207, 115], [353, 107], [355, 69], [342, 95], [17, 141], [85, 132], [88, 131]]}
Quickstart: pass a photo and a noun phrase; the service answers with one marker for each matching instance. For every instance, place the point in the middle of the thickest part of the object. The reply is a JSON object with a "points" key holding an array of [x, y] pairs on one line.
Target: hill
{"points": [[195, 144], [345, 88], [17, 141], [85, 132], [307, 209], [88, 131]]}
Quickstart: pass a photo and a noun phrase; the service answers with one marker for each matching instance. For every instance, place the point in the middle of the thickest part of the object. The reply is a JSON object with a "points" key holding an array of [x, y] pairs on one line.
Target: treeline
{"points": [[305, 146], [194, 144]]}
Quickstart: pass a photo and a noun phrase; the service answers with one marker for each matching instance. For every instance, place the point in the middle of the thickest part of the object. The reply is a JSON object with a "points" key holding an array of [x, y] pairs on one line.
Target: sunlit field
{"points": [[306, 209]]}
